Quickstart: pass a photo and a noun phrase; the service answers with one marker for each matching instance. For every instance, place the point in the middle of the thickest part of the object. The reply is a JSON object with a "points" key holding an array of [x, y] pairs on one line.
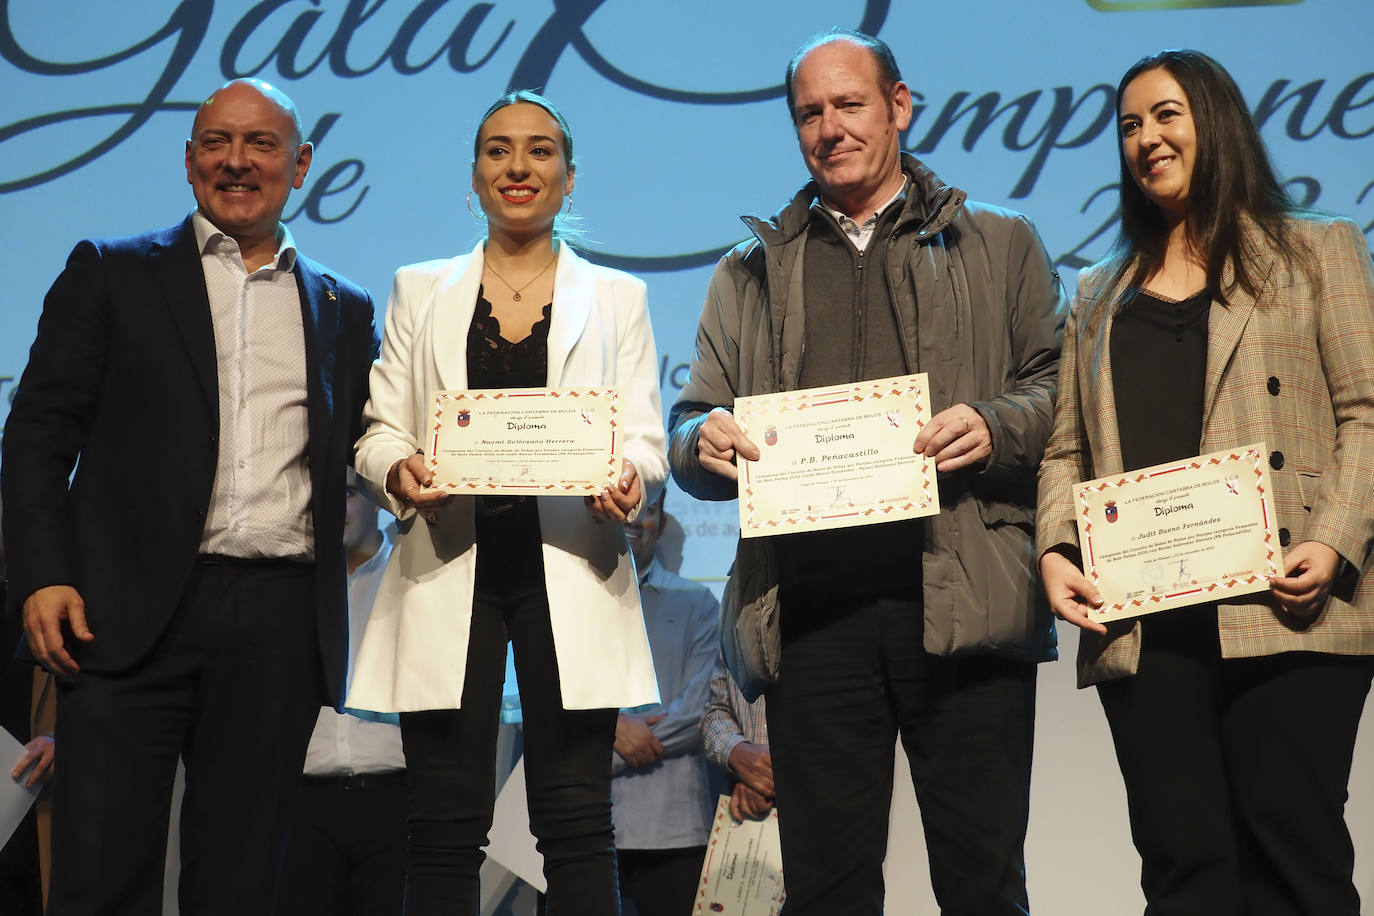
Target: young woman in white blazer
{"points": [[552, 574]]}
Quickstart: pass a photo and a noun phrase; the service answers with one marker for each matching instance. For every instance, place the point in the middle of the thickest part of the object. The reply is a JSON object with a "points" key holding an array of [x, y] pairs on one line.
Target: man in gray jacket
{"points": [[928, 629]]}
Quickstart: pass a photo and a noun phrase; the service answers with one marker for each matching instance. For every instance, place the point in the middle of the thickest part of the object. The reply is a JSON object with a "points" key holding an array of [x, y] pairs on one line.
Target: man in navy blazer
{"points": [[205, 384]]}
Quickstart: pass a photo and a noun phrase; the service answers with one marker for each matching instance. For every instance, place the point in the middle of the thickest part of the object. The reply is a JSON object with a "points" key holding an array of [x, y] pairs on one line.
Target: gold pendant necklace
{"points": [[514, 291]]}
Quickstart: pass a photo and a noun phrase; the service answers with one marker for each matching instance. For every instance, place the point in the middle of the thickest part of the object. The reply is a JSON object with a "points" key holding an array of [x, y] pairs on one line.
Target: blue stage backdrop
{"points": [[677, 111]]}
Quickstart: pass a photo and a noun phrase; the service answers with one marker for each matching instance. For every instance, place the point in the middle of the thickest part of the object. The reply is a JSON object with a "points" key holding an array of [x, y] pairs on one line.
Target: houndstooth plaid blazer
{"points": [[1292, 366]]}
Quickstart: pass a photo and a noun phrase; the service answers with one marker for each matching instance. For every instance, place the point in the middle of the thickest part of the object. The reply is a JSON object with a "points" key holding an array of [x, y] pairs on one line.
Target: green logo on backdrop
{"points": [[1131, 6]]}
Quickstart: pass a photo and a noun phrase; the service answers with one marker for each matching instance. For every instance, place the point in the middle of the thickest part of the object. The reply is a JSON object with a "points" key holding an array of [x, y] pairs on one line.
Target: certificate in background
{"points": [[15, 797], [1180, 533], [545, 441], [742, 872], [835, 457]]}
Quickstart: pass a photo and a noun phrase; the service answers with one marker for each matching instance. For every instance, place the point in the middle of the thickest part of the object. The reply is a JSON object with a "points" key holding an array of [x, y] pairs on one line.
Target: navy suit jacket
{"points": [[121, 385]]}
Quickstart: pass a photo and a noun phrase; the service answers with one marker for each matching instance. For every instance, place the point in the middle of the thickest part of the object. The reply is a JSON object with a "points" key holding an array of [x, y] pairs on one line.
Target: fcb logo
{"points": [[717, 908], [1110, 510], [770, 436], [463, 419]]}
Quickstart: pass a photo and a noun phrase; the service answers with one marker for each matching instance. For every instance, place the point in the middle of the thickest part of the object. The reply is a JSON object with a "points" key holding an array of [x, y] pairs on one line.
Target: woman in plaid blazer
{"points": [[1226, 316]]}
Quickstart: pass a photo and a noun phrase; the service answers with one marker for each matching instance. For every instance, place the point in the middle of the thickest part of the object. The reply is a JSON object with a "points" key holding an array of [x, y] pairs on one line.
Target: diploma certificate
{"points": [[545, 441], [742, 872], [1180, 533], [835, 457]]}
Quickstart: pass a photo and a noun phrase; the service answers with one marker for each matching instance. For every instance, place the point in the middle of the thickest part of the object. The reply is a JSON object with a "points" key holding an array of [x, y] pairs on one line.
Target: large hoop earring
{"points": [[469, 205], [567, 210]]}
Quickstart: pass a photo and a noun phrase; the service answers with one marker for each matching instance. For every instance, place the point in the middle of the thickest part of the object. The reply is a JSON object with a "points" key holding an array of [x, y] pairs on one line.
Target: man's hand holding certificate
{"points": [[547, 441], [1177, 534], [835, 457]]}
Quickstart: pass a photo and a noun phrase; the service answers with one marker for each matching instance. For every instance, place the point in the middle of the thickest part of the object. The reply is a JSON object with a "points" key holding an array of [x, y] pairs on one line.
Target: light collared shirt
{"points": [[260, 504], [668, 804], [346, 745], [861, 234]]}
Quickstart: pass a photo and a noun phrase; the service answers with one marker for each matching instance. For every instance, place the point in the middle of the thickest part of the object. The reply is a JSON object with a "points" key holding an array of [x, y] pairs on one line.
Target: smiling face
{"points": [[1159, 140], [242, 161], [849, 127], [521, 174]]}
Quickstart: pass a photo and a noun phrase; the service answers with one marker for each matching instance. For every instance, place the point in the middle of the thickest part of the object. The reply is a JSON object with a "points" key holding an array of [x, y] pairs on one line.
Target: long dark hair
{"points": [[1232, 180]]}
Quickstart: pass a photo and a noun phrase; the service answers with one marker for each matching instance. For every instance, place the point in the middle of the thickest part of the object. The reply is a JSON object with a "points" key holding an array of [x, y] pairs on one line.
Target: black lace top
{"points": [[495, 362], [507, 526]]}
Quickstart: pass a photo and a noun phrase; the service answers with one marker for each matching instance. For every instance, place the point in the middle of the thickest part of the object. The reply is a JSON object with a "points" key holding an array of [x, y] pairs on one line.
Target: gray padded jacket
{"points": [[988, 331]]}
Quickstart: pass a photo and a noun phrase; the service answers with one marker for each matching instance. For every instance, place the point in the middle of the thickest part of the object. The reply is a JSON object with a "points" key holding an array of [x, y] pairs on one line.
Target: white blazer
{"points": [[414, 651]]}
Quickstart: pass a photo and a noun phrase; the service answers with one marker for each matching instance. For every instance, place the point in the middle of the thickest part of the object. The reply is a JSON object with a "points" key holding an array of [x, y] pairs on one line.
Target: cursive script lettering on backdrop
{"points": [[1035, 123]]}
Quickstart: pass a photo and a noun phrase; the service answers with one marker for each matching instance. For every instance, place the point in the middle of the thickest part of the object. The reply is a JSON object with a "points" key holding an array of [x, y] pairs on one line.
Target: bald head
{"points": [[243, 159], [263, 88]]}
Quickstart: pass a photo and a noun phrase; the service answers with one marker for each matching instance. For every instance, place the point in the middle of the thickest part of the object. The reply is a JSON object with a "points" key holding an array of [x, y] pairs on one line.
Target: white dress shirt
{"points": [[260, 504]]}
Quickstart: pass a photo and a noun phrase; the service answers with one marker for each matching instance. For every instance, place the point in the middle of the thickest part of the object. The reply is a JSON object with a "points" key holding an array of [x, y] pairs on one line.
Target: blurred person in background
{"points": [[662, 800]]}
